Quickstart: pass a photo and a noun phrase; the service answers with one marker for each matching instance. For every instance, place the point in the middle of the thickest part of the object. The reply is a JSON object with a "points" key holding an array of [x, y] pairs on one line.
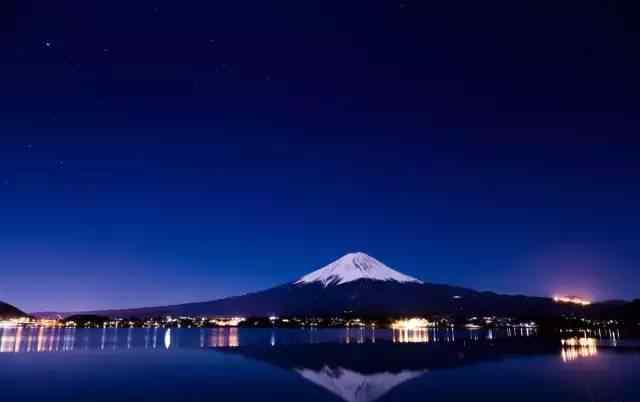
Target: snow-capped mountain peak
{"points": [[352, 267]]}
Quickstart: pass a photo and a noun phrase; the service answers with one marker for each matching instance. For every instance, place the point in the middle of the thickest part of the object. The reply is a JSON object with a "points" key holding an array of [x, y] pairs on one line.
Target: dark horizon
{"points": [[155, 154]]}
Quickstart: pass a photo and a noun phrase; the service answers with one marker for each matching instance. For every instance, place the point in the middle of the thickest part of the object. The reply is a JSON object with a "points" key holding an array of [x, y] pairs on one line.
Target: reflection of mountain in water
{"points": [[364, 373], [357, 387]]}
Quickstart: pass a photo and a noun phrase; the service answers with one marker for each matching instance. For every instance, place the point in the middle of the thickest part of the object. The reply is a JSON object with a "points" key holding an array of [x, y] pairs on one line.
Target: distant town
{"points": [[345, 321]]}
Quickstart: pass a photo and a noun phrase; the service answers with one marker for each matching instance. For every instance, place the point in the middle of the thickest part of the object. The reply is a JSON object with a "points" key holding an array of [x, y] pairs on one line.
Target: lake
{"points": [[355, 365]]}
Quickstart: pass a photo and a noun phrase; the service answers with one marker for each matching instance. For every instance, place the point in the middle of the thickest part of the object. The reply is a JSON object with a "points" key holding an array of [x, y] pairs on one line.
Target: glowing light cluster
{"points": [[227, 322], [574, 348], [28, 322], [410, 324], [572, 299]]}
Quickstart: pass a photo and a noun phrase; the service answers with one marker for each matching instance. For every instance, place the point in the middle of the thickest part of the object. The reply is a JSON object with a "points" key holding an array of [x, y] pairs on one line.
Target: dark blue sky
{"points": [[156, 152]]}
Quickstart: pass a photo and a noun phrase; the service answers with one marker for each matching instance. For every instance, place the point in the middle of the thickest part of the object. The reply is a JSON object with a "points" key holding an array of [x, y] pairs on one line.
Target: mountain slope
{"points": [[9, 311], [363, 297], [359, 284]]}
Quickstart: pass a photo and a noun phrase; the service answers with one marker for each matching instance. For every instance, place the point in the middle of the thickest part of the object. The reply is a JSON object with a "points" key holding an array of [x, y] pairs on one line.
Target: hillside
{"points": [[9, 311]]}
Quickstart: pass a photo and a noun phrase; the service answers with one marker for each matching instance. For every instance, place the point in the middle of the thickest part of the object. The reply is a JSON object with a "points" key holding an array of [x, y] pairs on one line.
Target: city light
{"points": [[410, 324], [28, 322], [227, 322]]}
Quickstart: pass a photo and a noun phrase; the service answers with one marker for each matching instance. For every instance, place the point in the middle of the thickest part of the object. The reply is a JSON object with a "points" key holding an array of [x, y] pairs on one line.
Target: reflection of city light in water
{"points": [[42, 339], [359, 335], [6, 344], [411, 335], [224, 338], [115, 339], [129, 338], [69, 339], [575, 348], [155, 337], [576, 344]]}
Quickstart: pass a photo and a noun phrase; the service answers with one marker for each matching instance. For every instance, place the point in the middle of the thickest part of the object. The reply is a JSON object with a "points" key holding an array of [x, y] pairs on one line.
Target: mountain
{"points": [[9, 311], [368, 372], [631, 311], [359, 284]]}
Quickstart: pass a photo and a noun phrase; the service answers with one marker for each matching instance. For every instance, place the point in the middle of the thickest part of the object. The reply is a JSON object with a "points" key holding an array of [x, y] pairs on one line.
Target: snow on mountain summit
{"points": [[353, 267]]}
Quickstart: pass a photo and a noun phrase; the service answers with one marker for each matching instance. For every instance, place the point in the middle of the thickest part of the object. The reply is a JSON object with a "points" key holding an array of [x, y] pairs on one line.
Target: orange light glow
{"points": [[572, 299]]}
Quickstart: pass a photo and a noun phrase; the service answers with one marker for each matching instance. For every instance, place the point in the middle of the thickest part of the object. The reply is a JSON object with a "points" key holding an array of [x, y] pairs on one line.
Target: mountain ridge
{"points": [[359, 284]]}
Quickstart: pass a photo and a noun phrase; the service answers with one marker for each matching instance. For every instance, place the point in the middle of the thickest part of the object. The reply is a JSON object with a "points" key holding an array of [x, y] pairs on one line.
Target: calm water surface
{"points": [[364, 365]]}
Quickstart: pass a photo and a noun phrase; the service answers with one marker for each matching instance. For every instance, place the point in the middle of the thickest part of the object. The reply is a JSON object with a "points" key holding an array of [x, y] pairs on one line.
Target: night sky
{"points": [[156, 152]]}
